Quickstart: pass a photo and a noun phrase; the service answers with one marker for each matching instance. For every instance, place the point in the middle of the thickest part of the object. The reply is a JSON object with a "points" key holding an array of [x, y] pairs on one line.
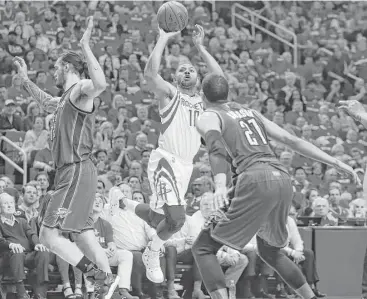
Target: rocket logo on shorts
{"points": [[62, 213], [163, 188]]}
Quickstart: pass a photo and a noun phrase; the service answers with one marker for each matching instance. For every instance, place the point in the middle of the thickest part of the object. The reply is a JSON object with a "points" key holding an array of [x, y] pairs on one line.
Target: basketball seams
{"points": [[171, 23], [165, 18], [177, 18], [185, 13]]}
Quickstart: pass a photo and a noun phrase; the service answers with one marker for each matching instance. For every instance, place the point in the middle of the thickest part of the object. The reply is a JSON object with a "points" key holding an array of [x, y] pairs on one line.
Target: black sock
{"points": [[84, 264], [21, 291]]}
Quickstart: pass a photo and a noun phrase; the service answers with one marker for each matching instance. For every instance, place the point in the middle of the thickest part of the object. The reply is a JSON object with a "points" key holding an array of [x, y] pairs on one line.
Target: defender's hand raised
{"points": [[88, 32], [198, 36], [22, 68], [352, 107]]}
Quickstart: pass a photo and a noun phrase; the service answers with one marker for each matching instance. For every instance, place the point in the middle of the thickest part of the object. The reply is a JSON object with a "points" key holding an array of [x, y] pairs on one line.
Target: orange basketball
{"points": [[172, 16]]}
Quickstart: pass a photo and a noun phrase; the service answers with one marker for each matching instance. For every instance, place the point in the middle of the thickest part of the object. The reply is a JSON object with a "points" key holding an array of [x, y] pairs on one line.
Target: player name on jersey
{"points": [[240, 114]]}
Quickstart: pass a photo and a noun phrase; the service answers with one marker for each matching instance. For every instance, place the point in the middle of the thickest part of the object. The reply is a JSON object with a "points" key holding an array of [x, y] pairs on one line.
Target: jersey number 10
{"points": [[194, 114], [249, 126]]}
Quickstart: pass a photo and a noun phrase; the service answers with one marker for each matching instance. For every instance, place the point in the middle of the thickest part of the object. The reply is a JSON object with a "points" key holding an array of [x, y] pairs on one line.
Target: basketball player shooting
{"points": [[262, 193], [356, 110], [170, 165], [69, 208]]}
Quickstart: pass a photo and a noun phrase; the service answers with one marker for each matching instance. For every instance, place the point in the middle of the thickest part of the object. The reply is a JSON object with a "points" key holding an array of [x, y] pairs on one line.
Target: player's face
{"points": [[59, 75], [186, 76]]}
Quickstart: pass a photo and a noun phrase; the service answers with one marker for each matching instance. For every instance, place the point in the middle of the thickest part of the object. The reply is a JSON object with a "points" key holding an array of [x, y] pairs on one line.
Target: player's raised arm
{"points": [[198, 39], [356, 110], [152, 67], [48, 102], [306, 148], [209, 126], [97, 83]]}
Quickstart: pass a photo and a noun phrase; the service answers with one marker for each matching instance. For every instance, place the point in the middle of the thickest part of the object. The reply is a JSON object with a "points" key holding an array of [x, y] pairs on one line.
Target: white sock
{"points": [[157, 243]]}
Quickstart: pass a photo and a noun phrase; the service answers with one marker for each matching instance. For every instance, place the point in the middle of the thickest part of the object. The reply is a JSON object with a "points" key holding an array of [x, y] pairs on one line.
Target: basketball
{"points": [[172, 16]]}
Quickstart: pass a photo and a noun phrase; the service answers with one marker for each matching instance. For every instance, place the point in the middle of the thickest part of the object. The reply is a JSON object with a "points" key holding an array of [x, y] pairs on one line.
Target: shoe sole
{"points": [[112, 288], [145, 262]]}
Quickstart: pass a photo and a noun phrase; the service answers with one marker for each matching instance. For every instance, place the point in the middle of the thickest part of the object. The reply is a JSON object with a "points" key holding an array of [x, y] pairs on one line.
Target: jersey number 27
{"points": [[250, 127]]}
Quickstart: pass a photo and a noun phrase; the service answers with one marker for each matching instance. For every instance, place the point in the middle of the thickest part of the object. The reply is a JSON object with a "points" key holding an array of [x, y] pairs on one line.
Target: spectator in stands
{"points": [[44, 181], [22, 248], [321, 208], [2, 185], [140, 145], [336, 209], [139, 197], [358, 209], [178, 249], [33, 111], [121, 258], [303, 256], [29, 204], [36, 138], [199, 187], [9, 120], [231, 259], [130, 233]]}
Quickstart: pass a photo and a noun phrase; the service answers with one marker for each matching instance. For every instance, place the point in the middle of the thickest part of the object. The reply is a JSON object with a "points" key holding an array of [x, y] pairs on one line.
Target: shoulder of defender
{"points": [[208, 120]]}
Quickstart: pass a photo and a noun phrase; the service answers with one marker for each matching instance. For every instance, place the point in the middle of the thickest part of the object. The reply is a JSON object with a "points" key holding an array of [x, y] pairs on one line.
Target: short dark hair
{"points": [[215, 88], [77, 61], [40, 72]]}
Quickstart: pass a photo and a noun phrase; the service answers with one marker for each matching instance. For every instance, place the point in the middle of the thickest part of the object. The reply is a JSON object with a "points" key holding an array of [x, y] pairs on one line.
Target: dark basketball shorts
{"points": [[69, 208], [261, 202]]}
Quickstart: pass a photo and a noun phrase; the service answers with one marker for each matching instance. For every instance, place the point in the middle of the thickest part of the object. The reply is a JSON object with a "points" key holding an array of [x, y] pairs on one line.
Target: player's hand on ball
{"points": [[352, 107], [167, 35], [88, 32], [221, 198], [22, 68], [198, 36], [342, 167]]}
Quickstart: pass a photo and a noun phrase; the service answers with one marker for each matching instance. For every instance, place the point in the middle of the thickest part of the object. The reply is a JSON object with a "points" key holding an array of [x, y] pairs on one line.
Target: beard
{"points": [[186, 84], [60, 81]]}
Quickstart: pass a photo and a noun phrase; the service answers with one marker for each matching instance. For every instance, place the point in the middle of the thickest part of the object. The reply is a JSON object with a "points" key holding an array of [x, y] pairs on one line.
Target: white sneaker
{"points": [[152, 265]]}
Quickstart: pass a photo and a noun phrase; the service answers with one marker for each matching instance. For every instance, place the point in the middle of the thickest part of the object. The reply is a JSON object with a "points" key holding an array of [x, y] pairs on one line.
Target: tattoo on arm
{"points": [[43, 98]]}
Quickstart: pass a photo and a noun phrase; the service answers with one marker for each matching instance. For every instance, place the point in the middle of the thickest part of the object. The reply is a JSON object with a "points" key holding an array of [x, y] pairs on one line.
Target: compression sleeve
{"points": [[217, 152]]}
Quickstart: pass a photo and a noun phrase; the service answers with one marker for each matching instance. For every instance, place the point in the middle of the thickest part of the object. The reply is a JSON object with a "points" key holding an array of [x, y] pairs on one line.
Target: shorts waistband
{"points": [[74, 163], [165, 153]]}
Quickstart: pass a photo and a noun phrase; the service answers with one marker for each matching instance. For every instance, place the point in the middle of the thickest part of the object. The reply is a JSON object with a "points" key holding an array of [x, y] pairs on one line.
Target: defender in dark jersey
{"points": [[262, 190], [69, 208], [358, 111]]}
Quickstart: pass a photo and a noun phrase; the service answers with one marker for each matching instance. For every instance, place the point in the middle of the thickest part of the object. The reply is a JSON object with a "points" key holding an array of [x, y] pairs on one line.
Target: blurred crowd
{"points": [[299, 94]]}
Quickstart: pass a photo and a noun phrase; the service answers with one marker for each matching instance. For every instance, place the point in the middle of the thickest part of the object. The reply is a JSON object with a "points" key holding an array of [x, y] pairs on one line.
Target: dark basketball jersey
{"points": [[71, 132], [244, 136]]}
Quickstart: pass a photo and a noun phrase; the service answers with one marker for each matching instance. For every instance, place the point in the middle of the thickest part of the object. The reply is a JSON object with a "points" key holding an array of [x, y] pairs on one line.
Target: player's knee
{"points": [[176, 224], [175, 218], [48, 236]]}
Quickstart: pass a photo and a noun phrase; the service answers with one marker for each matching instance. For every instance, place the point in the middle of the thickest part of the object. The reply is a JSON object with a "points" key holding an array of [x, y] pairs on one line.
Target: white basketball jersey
{"points": [[178, 134]]}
